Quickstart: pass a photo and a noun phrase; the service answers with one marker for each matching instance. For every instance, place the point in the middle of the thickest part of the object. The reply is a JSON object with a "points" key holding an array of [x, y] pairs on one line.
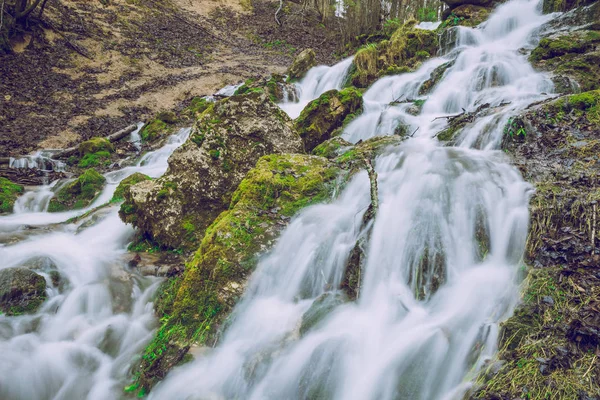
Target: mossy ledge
{"points": [[192, 307], [79, 193], [404, 52], [9, 192]]}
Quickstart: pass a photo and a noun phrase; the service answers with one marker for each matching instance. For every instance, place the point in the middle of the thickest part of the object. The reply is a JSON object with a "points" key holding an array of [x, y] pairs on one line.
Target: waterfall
{"points": [[83, 341], [441, 270], [442, 259]]}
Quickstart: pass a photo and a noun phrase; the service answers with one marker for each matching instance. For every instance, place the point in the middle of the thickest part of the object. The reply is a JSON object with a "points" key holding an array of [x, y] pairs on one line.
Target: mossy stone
{"points": [[9, 192], [79, 193], [21, 291], [126, 183]]}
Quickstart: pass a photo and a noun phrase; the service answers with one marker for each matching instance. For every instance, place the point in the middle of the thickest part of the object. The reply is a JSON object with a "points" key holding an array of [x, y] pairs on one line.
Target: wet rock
{"points": [[435, 77], [224, 145], [161, 126], [275, 86], [78, 194], [302, 63], [9, 192], [94, 145], [215, 277], [548, 300], [551, 6], [320, 309], [321, 117], [21, 291], [332, 148]]}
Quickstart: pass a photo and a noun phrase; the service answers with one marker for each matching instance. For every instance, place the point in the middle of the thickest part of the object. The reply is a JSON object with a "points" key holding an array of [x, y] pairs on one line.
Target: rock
{"points": [[79, 193], [324, 115], [320, 309], [467, 15], [94, 145], [279, 186], [458, 3], [574, 56], [301, 64], [276, 87], [161, 126], [21, 291], [435, 77], [225, 143], [404, 52], [551, 6], [332, 148], [9, 192], [126, 183]]}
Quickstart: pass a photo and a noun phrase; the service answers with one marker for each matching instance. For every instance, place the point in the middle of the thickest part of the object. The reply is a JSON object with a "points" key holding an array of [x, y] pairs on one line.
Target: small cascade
{"points": [[41, 160], [316, 82]]}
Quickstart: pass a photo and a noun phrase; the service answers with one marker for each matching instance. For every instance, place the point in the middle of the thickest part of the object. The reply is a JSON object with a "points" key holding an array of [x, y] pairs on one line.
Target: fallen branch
{"points": [[74, 46], [111, 138], [277, 12]]}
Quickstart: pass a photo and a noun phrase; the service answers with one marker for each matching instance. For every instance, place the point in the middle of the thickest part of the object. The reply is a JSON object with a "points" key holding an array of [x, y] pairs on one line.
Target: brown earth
{"points": [[90, 69]]}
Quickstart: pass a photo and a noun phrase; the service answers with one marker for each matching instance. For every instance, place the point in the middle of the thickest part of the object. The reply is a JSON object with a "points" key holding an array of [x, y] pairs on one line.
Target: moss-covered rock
{"points": [[321, 117], [9, 192], [575, 55], [161, 126], [21, 291], [126, 183], [79, 193], [214, 279], [196, 106], [404, 52], [94, 145], [225, 143], [332, 148], [435, 77], [469, 15], [275, 86], [550, 6], [302, 63]]}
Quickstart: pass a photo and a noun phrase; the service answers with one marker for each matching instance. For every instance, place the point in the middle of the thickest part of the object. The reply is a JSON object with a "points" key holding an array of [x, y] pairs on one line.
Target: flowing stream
{"points": [[442, 257]]}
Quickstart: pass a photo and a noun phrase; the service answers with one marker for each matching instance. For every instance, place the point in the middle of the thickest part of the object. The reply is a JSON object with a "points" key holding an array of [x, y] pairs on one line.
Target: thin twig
{"points": [[2, 14], [413, 134]]}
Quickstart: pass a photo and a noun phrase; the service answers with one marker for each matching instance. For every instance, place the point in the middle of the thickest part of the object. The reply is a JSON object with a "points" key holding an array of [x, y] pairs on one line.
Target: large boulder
{"points": [[321, 117], [225, 143], [193, 307], [21, 291], [456, 3], [302, 63], [78, 194], [9, 191]]}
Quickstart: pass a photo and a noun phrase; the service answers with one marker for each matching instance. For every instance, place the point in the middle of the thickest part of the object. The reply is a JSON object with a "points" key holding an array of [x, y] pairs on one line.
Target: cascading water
{"points": [[83, 341], [442, 256]]}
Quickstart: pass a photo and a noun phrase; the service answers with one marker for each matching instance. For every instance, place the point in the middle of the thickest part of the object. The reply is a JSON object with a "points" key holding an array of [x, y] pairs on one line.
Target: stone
{"points": [[301, 64], [226, 142], [321, 117], [21, 291], [78, 194]]}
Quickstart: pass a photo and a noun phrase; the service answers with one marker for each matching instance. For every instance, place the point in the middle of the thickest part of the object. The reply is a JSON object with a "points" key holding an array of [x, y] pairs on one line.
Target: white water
{"points": [[91, 329], [439, 206], [436, 204], [316, 82]]}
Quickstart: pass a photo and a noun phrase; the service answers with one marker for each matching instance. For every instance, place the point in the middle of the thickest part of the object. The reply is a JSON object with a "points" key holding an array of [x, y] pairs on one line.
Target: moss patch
{"points": [[9, 192], [193, 306], [574, 55], [78, 194], [404, 51], [162, 125]]}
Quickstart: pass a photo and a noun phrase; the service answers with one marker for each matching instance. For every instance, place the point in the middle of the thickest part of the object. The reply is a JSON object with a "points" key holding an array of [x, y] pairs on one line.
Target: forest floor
{"points": [[94, 67]]}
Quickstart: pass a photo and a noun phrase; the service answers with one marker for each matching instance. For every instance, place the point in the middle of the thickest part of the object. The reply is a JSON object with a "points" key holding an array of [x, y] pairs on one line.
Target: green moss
{"points": [[403, 52], [78, 194], [126, 183], [196, 107], [9, 192], [160, 126], [95, 145], [95, 159], [193, 307]]}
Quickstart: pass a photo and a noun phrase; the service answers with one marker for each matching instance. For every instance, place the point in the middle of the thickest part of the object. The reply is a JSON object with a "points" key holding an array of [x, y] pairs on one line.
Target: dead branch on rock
{"points": [[111, 138], [277, 12]]}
